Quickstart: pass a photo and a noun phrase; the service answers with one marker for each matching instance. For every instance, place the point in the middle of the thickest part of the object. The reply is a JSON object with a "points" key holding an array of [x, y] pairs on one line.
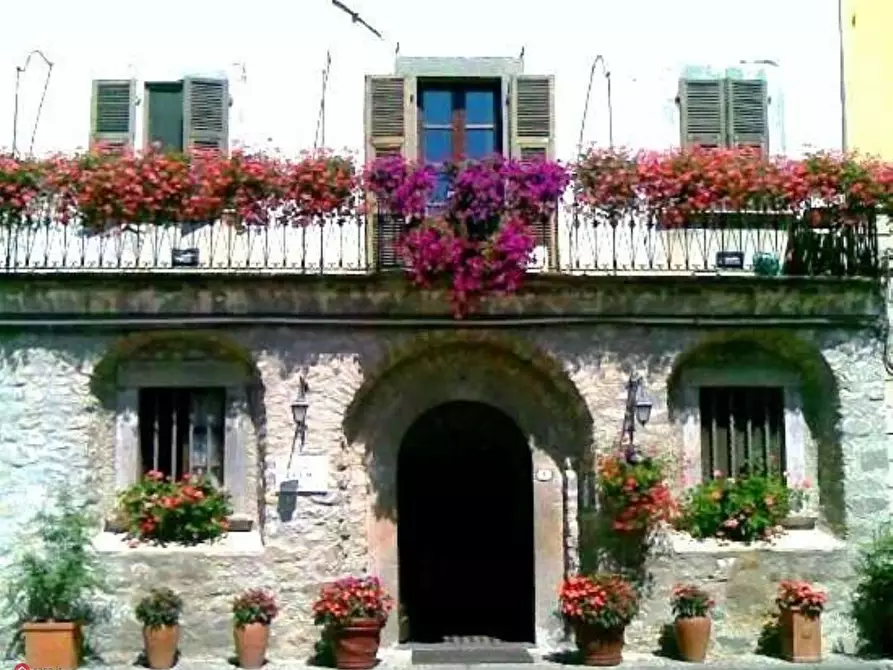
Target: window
{"points": [[724, 113], [164, 116], [179, 115], [458, 120], [742, 430], [181, 430]]}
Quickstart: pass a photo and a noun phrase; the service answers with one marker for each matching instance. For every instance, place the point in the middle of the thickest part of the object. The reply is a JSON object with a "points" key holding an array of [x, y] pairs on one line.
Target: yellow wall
{"points": [[868, 68]]}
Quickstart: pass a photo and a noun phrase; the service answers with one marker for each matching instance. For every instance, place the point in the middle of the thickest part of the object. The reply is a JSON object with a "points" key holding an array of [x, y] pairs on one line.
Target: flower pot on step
{"points": [[599, 646], [160, 644], [52, 644], [251, 644], [692, 638], [355, 645], [801, 637]]}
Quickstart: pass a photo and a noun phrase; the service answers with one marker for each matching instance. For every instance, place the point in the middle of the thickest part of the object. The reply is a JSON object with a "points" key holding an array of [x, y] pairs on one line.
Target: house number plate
{"points": [[309, 473]]}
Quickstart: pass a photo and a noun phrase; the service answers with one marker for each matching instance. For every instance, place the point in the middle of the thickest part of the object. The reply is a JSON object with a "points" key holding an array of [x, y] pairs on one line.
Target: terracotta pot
{"points": [[251, 644], [599, 646], [355, 645], [52, 644], [692, 638], [160, 644], [801, 637]]}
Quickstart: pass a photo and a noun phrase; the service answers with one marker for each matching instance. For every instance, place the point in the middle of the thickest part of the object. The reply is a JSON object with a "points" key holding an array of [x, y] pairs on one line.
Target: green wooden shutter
{"points": [[113, 113], [532, 132], [702, 113], [206, 114], [391, 129], [747, 113]]}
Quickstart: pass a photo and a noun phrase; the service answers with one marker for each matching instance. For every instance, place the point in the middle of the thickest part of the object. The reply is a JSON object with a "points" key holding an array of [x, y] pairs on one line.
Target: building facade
{"points": [[435, 446]]}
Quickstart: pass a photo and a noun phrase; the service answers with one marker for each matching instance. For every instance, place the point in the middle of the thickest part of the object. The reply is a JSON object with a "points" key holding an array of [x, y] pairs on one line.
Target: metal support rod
{"points": [[20, 70], [607, 75]]}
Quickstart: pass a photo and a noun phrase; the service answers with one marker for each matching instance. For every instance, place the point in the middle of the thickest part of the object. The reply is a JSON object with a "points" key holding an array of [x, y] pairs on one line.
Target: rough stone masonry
{"points": [[372, 368]]}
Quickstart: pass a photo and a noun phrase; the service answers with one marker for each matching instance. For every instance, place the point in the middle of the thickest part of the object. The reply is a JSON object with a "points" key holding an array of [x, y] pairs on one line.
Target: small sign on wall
{"points": [[308, 473]]}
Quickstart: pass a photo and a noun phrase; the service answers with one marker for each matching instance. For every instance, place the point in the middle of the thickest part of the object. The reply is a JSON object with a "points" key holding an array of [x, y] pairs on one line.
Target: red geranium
{"points": [[162, 510], [634, 491], [605, 600], [352, 598], [801, 597]]}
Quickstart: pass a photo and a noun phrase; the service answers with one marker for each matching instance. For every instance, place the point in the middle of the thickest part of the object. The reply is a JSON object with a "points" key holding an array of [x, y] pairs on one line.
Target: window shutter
{"points": [[532, 122], [113, 113], [747, 113], [391, 129], [702, 112], [206, 114]]}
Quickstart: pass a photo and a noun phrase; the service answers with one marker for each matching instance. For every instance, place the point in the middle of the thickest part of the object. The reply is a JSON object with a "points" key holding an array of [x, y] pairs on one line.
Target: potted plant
{"points": [[51, 588], [691, 606], [800, 623], [353, 611], [159, 612], [599, 608], [253, 612]]}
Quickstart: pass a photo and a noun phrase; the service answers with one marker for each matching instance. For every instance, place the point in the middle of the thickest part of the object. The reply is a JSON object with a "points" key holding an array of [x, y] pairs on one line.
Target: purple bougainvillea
{"points": [[482, 238]]}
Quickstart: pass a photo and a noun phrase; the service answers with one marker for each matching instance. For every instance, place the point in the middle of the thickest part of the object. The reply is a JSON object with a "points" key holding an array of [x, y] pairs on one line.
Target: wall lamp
{"points": [[638, 406], [299, 412]]}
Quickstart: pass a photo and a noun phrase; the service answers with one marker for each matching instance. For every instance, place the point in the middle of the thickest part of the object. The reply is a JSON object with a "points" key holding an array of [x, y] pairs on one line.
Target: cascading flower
{"points": [[482, 238]]}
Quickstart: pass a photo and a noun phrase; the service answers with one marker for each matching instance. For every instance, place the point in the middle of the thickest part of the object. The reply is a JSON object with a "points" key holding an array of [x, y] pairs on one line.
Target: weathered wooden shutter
{"points": [[206, 114], [532, 122], [391, 129], [113, 113], [747, 113], [702, 112]]}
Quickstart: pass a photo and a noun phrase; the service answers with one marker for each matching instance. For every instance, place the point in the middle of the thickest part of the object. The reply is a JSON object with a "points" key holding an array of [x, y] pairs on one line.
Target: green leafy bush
{"points": [[872, 605], [162, 607], [741, 509], [60, 576]]}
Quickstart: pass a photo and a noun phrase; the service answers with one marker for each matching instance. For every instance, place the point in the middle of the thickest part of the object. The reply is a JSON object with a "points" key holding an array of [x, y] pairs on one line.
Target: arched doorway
{"points": [[465, 526]]}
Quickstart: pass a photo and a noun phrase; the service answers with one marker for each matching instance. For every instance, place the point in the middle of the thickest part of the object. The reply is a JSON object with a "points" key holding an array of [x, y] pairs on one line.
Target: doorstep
{"points": [[400, 659]]}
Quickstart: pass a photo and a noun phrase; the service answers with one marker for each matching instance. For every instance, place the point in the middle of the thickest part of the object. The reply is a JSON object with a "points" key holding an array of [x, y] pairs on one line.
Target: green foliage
{"points": [[872, 605], [741, 509], [59, 578], [255, 606], [689, 601], [162, 511], [162, 607]]}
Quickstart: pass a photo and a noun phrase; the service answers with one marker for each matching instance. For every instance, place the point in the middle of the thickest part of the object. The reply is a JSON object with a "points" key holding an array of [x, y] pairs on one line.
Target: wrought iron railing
{"points": [[716, 243]]}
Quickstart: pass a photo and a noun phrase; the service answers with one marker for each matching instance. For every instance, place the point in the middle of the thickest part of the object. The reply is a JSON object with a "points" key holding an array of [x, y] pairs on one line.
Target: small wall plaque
{"points": [[309, 473], [544, 475]]}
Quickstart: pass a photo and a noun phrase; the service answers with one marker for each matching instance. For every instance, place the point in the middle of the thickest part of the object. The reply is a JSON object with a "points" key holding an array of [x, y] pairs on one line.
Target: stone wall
{"points": [[55, 431]]}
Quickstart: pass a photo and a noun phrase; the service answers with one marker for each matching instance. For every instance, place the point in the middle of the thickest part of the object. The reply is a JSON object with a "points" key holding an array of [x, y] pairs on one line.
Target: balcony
{"points": [[737, 244]]}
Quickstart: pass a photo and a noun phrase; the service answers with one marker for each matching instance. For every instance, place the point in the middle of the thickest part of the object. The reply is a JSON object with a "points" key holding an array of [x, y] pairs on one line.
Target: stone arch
{"points": [[789, 354], [508, 374], [168, 345], [178, 362]]}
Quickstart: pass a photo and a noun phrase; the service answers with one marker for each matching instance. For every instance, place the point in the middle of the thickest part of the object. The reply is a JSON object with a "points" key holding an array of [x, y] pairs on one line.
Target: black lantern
{"points": [[643, 403], [299, 411], [638, 406]]}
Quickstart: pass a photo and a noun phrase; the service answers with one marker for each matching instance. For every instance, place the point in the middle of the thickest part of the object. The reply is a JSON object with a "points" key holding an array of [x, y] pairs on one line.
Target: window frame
{"points": [[162, 85], [461, 86], [240, 449], [801, 453]]}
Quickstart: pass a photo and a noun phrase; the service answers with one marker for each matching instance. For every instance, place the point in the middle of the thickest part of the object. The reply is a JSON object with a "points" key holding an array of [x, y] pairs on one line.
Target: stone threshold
{"points": [[394, 659]]}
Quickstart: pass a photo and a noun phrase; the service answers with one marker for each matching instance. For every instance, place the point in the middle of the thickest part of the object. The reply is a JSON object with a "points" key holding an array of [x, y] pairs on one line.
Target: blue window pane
{"points": [[437, 107], [479, 143], [441, 188], [438, 146], [479, 107]]}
